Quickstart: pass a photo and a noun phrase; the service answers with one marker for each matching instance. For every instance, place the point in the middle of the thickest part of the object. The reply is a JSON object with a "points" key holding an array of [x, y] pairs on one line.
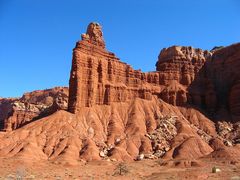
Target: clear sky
{"points": [[37, 36]]}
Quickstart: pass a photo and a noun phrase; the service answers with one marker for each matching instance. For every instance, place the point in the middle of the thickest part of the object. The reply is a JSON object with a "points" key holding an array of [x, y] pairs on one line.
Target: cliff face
{"points": [[179, 68], [224, 75], [180, 111], [209, 80], [5, 109], [181, 64], [98, 77], [31, 106], [183, 76]]}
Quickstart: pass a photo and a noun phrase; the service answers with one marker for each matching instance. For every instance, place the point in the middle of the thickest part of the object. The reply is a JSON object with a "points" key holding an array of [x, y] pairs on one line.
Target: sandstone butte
{"points": [[188, 108]]}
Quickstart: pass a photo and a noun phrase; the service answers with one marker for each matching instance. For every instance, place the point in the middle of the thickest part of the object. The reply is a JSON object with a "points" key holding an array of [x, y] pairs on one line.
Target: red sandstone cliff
{"points": [[208, 80], [118, 113], [211, 79], [223, 72], [31, 106], [179, 67], [99, 77]]}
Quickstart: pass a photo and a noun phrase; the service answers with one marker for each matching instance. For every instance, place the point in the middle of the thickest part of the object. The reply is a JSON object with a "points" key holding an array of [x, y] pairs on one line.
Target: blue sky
{"points": [[37, 37]]}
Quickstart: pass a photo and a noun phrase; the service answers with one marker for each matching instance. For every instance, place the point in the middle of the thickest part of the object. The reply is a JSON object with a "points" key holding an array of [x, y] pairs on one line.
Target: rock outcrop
{"points": [[183, 76], [181, 64], [188, 108], [98, 77], [208, 80], [179, 67], [5, 109], [223, 72], [31, 106]]}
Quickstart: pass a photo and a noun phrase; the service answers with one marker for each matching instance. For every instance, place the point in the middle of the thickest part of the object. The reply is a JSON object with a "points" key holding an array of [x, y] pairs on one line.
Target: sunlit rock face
{"points": [[183, 76], [15, 112], [209, 80], [185, 110], [99, 77], [179, 67]]}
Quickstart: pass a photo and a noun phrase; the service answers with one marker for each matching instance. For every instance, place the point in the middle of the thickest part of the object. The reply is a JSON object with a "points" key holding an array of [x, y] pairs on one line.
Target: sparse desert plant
{"points": [[121, 169]]}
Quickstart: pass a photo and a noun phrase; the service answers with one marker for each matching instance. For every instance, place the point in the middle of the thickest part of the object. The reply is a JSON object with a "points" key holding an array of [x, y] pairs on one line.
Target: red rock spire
{"points": [[94, 35]]}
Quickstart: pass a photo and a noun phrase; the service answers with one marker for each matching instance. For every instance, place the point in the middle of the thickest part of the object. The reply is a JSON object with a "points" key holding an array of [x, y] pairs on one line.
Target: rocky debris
{"points": [[229, 132], [204, 136], [106, 151], [235, 134], [60, 102], [150, 156], [102, 154], [216, 170], [140, 157], [117, 141], [224, 128], [161, 137], [31, 106], [20, 106]]}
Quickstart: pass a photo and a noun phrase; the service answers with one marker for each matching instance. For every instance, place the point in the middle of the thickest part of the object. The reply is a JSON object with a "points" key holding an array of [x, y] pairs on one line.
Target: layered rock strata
{"points": [[118, 113], [180, 67], [184, 76], [223, 73], [31, 106], [210, 79], [98, 77]]}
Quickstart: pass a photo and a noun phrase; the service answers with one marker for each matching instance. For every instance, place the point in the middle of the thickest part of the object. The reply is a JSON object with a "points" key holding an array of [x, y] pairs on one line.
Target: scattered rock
{"points": [[140, 157], [216, 170], [102, 154], [149, 156], [117, 141], [162, 136], [90, 132]]}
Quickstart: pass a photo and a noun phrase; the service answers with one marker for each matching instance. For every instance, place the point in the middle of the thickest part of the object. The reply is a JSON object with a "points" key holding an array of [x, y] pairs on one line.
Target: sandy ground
{"points": [[146, 169]]}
